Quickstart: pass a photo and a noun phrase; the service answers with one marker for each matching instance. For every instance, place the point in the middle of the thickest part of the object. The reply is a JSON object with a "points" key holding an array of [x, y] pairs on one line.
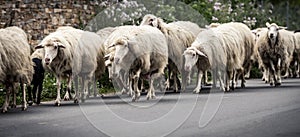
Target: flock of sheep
{"points": [[145, 53]]}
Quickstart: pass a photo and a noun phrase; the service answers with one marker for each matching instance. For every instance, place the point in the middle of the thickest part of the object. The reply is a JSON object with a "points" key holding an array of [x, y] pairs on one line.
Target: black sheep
{"points": [[37, 82]]}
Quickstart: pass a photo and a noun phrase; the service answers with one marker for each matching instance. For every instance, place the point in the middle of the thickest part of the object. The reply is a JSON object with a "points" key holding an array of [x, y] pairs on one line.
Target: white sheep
{"points": [[178, 40], [276, 48], [257, 33], [297, 54], [142, 51], [16, 65], [208, 51], [239, 43], [195, 30], [73, 53]]}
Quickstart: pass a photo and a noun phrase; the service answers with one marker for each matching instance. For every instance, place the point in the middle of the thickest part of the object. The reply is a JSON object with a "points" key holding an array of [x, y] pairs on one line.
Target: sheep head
{"points": [[151, 20], [108, 63], [273, 31], [191, 56], [122, 49], [51, 48]]}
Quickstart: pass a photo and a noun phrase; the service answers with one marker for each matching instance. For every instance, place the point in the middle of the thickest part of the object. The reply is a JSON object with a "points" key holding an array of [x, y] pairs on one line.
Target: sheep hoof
{"points": [[196, 92], [13, 106], [66, 98], [133, 99], [57, 104], [243, 86], [277, 84], [76, 101], [4, 110], [24, 108], [271, 84], [30, 103]]}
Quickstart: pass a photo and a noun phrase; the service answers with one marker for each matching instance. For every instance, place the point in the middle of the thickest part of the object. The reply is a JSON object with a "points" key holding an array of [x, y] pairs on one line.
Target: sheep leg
{"points": [[189, 78], [57, 100], [95, 88], [131, 92], [241, 74], [24, 103], [272, 73], [34, 89], [233, 80], [142, 86], [40, 89], [14, 93], [136, 93], [76, 89], [120, 81], [221, 76], [184, 79], [228, 78], [298, 70], [7, 98], [175, 81], [151, 93], [30, 102], [86, 80], [198, 87], [69, 88], [167, 83], [161, 84], [214, 77]]}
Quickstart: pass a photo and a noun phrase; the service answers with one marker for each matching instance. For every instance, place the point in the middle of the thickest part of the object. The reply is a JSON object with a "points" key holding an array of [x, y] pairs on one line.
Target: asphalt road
{"points": [[257, 110]]}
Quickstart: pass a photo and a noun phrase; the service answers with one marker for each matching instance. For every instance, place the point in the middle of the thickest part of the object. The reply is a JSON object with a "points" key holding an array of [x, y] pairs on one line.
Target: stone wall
{"points": [[38, 18]]}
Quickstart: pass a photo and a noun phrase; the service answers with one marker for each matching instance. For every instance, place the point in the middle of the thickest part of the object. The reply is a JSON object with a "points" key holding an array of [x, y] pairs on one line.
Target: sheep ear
{"points": [[60, 45], [268, 24], [280, 27], [107, 56], [201, 53], [38, 47], [120, 41], [113, 45], [254, 31]]}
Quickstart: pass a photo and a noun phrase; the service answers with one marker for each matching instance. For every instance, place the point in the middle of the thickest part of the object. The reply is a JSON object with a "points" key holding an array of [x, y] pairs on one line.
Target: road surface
{"points": [[257, 110]]}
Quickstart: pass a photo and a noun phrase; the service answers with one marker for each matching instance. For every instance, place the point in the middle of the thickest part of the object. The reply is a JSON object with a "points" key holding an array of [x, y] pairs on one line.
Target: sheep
{"points": [[122, 80], [207, 52], [276, 47], [195, 30], [178, 40], [257, 33], [38, 77], [16, 66], [239, 47], [297, 54], [141, 51], [248, 48], [72, 53]]}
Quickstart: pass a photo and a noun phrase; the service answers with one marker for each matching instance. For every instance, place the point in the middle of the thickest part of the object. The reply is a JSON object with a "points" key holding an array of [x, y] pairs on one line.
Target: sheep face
{"points": [[273, 31], [108, 64], [121, 50], [191, 59], [150, 20], [51, 50]]}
